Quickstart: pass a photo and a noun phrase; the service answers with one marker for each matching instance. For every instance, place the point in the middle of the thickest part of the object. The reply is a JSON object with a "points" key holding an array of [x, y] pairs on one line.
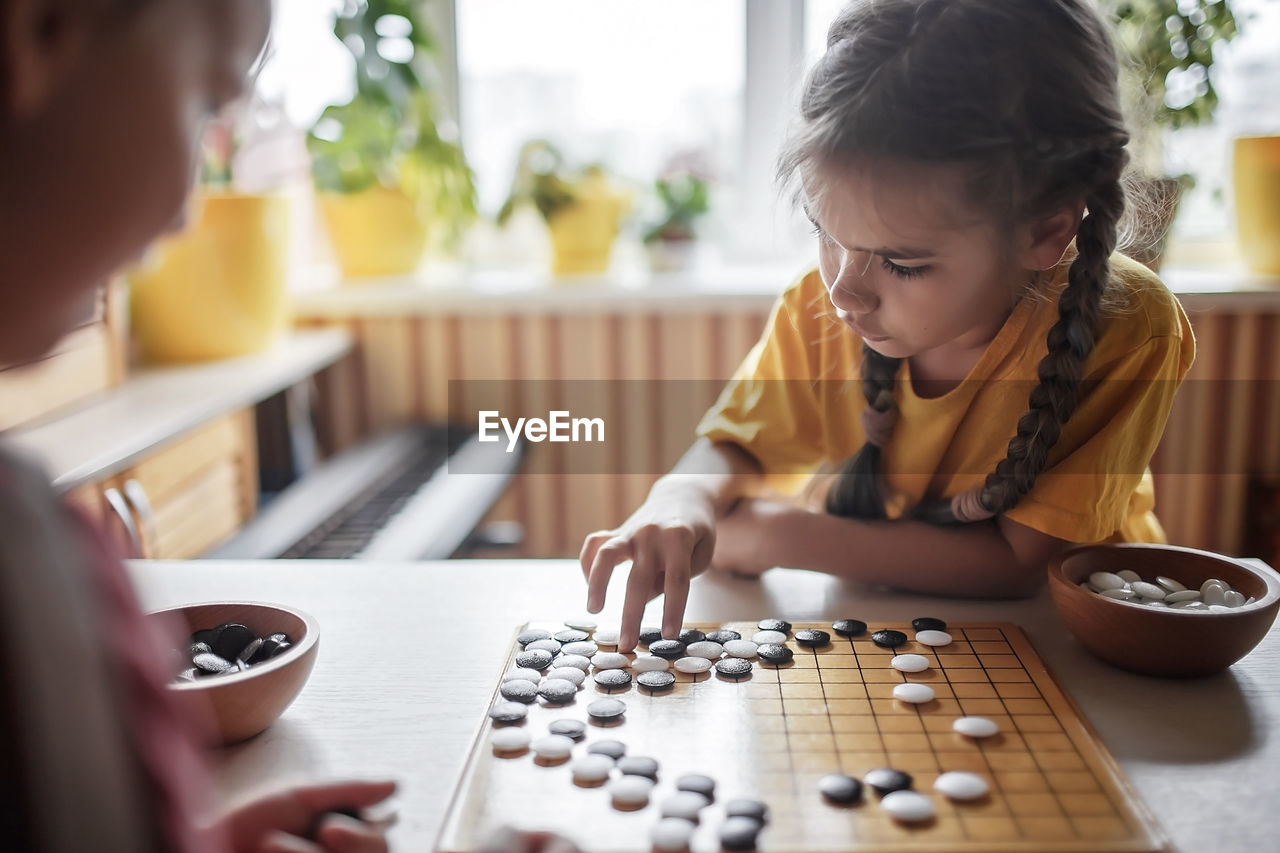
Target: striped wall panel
{"points": [[1219, 433]]}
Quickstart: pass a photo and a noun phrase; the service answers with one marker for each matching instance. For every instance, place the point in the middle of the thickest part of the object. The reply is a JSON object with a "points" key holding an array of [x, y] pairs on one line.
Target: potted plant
{"points": [[1166, 52], [219, 288], [583, 208], [683, 194], [385, 169]]}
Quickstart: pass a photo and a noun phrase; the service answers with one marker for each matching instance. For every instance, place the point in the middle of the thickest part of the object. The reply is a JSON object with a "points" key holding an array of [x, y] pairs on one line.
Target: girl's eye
{"points": [[903, 272]]}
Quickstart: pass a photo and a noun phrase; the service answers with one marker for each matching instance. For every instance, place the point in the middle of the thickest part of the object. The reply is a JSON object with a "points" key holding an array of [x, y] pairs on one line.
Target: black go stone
{"points": [[508, 712], [753, 809], [638, 765], [734, 668], [698, 784], [606, 709], [928, 623], [668, 649], [613, 679], [570, 635], [658, 679], [775, 653], [230, 639], [538, 659], [691, 635], [775, 625], [813, 638], [849, 627], [886, 780], [723, 636], [532, 635], [739, 833], [204, 635], [615, 749], [841, 789], [519, 690], [252, 653], [557, 691], [650, 635], [575, 729], [887, 639]]}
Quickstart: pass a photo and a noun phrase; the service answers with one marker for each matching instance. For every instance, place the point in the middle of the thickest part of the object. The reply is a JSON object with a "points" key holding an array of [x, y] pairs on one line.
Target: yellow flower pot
{"points": [[583, 233], [219, 288], [1256, 168], [376, 232]]}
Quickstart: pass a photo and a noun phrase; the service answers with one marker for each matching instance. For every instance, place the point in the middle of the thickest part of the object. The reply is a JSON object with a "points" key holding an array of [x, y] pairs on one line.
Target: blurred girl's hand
{"points": [[310, 820]]}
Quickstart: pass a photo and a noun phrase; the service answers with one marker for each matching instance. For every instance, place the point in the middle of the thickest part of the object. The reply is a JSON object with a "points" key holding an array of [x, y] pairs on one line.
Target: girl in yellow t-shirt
{"points": [[986, 378]]}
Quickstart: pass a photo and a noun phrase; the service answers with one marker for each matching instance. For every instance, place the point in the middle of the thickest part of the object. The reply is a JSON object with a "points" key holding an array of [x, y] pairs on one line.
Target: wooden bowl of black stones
{"points": [[247, 661]]}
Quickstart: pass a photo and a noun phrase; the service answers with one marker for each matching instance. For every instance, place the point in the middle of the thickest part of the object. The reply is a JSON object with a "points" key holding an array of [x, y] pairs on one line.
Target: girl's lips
{"points": [[860, 331]]}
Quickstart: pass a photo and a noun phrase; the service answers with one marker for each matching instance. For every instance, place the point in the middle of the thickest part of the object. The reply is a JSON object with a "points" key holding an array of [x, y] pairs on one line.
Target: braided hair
{"points": [[1023, 94]]}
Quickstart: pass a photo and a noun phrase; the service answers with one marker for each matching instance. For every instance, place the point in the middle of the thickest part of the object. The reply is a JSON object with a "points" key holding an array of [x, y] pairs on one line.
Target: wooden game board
{"points": [[1054, 787]]}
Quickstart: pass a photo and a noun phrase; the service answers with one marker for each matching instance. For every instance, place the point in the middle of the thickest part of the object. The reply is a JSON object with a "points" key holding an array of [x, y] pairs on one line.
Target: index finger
{"points": [[347, 793], [679, 570]]}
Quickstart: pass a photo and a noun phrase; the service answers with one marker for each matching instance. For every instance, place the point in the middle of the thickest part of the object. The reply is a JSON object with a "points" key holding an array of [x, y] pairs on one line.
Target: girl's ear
{"points": [[39, 42], [1046, 239]]}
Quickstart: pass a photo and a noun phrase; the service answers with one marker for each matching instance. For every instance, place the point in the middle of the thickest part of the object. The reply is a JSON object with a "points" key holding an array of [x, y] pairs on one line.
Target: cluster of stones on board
{"points": [[230, 647], [1128, 586], [554, 667]]}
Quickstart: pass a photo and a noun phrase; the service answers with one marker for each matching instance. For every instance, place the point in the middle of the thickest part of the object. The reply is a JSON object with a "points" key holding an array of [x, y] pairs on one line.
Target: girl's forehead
{"points": [[897, 195]]}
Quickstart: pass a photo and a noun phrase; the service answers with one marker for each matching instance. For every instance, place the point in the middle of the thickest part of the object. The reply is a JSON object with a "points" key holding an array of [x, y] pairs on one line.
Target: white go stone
{"points": [[910, 663], [1170, 584], [740, 649], [975, 726], [1193, 606], [1119, 593], [510, 739], [581, 662], [609, 660], [591, 768], [650, 663], [705, 649], [1234, 599], [933, 638], [522, 673], [553, 747], [568, 673], [671, 834], [605, 636], [907, 806], [762, 637], [684, 805], [552, 646], [631, 791], [959, 785], [1214, 594], [913, 692], [583, 624], [585, 648], [1149, 591], [693, 665], [1129, 575], [1106, 580], [1182, 595], [1211, 582]]}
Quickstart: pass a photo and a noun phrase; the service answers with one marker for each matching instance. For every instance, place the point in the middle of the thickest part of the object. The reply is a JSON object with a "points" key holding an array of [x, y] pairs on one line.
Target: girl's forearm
{"points": [[972, 560], [719, 471]]}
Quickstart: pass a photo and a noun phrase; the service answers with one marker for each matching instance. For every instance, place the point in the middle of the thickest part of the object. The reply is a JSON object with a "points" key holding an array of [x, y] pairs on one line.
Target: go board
{"points": [[772, 735]]}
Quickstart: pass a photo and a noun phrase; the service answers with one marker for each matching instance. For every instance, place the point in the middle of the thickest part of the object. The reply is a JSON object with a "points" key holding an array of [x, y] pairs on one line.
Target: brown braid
{"points": [[857, 492]]}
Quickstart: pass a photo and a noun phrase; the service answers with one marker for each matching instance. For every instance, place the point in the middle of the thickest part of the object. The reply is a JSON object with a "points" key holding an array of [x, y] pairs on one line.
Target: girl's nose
{"points": [[852, 291]]}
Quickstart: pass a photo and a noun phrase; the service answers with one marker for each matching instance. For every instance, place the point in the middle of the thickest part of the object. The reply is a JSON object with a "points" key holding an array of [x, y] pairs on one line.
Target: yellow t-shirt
{"points": [[795, 404]]}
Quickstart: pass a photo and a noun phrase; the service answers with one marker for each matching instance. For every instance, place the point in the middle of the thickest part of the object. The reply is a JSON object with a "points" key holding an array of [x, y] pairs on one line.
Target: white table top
{"points": [[409, 655]]}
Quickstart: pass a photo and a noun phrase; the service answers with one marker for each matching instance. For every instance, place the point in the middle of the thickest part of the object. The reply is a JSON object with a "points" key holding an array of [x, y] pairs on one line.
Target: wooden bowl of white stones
{"points": [[1161, 609], [246, 661]]}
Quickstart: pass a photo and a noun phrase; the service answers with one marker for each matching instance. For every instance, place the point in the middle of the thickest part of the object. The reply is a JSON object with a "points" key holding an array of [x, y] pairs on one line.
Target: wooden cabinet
{"points": [[183, 498]]}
